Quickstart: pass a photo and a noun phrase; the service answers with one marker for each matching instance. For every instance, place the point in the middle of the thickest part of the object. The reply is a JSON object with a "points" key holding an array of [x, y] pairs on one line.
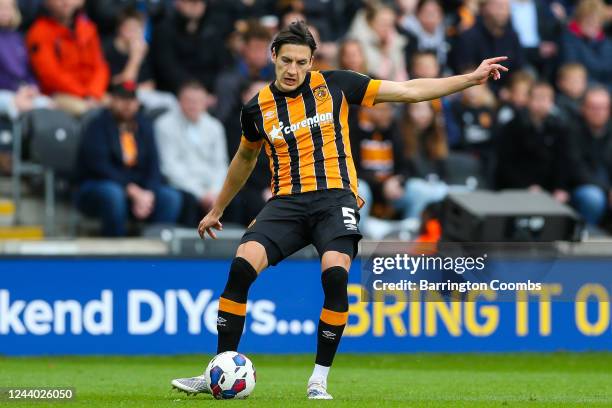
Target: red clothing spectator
{"points": [[68, 59]]}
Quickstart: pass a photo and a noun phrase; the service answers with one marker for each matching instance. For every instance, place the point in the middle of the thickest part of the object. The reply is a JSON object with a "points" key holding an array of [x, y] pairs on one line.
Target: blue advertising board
{"points": [[169, 306]]}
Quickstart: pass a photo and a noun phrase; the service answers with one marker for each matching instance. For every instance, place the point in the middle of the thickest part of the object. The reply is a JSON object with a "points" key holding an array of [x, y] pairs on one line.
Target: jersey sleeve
{"points": [[250, 135], [358, 89]]}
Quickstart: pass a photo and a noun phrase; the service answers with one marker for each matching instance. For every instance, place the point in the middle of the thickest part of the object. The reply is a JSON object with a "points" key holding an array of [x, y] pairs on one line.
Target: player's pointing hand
{"points": [[210, 221], [489, 68]]}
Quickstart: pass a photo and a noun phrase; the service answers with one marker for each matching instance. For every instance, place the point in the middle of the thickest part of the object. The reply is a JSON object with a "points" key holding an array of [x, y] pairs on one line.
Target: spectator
{"points": [[106, 13], [290, 16], [533, 150], [324, 56], [538, 31], [472, 117], [426, 27], [352, 57], [460, 15], [424, 64], [67, 57], [572, 83], [491, 35], [256, 192], [119, 169], [473, 112], [382, 44], [425, 156], [376, 144], [515, 96], [254, 64], [585, 42], [406, 9], [187, 45], [128, 53], [18, 90], [319, 13], [592, 149], [193, 152], [245, 10]]}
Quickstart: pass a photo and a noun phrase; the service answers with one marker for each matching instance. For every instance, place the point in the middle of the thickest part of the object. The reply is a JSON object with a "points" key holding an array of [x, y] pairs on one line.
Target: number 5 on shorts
{"points": [[349, 218]]}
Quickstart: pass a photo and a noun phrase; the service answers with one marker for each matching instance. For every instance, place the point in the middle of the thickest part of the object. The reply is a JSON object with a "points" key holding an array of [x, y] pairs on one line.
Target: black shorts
{"points": [[289, 223]]}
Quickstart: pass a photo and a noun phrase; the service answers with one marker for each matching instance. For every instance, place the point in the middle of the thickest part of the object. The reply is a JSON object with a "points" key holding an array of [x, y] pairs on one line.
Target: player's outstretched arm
{"points": [[425, 89], [240, 169]]}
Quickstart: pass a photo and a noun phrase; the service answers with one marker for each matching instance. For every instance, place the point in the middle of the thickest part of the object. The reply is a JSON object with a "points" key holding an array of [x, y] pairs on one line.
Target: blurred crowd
{"points": [[159, 85]]}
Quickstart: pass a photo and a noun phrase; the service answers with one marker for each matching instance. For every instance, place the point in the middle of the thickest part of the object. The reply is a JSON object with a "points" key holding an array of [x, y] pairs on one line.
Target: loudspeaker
{"points": [[508, 216]]}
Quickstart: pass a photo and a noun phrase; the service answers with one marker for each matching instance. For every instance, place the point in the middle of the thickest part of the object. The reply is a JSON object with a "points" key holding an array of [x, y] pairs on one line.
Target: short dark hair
{"points": [[295, 33], [542, 85], [191, 84], [129, 13], [422, 4], [256, 31]]}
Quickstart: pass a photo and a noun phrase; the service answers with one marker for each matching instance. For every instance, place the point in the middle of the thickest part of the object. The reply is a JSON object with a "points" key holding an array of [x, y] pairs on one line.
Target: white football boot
{"points": [[318, 390], [191, 385]]}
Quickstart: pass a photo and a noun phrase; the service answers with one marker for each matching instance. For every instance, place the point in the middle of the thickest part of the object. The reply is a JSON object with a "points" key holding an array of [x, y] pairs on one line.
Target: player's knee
{"points": [[335, 258], [335, 281], [241, 276], [254, 253]]}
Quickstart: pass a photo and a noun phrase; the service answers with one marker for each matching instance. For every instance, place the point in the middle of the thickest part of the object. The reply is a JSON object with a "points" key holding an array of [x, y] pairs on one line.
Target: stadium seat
{"points": [[55, 141], [50, 140], [6, 133], [464, 169]]}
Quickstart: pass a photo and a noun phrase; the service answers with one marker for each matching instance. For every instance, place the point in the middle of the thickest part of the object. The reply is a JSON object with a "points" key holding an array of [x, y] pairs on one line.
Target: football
{"points": [[230, 375]]}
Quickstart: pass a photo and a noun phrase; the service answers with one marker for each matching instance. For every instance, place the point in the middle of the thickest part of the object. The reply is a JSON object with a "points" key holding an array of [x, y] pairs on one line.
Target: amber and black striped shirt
{"points": [[306, 132]]}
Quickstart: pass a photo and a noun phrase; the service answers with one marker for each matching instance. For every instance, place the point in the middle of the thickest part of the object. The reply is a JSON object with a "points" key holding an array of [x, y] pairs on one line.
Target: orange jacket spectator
{"points": [[68, 60]]}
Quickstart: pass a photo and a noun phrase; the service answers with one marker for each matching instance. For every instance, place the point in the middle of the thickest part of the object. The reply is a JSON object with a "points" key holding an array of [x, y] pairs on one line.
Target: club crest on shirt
{"points": [[321, 93]]}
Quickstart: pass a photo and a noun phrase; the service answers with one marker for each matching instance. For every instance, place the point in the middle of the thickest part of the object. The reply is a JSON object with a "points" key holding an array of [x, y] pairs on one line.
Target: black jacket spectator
{"points": [[529, 155], [100, 155], [477, 44], [117, 61], [568, 108], [179, 56], [105, 12], [594, 53], [592, 157]]}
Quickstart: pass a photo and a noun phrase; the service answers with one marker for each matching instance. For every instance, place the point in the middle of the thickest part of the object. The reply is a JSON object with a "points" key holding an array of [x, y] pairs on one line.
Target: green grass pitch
{"points": [[405, 380]]}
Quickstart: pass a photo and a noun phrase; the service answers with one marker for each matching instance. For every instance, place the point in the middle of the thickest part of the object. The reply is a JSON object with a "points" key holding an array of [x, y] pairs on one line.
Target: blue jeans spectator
{"points": [[419, 193], [108, 201], [591, 202]]}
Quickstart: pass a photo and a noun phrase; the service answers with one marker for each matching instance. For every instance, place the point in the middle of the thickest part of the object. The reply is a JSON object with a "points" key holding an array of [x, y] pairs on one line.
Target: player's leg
{"points": [[277, 233], [250, 260], [335, 234], [335, 264]]}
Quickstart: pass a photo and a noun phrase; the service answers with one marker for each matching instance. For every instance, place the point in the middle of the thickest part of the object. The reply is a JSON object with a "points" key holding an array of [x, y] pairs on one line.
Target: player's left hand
{"points": [[208, 223], [489, 68]]}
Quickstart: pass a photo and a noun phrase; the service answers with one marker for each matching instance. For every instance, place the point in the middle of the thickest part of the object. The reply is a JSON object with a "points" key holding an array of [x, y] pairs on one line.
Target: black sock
{"points": [[232, 305], [334, 314]]}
